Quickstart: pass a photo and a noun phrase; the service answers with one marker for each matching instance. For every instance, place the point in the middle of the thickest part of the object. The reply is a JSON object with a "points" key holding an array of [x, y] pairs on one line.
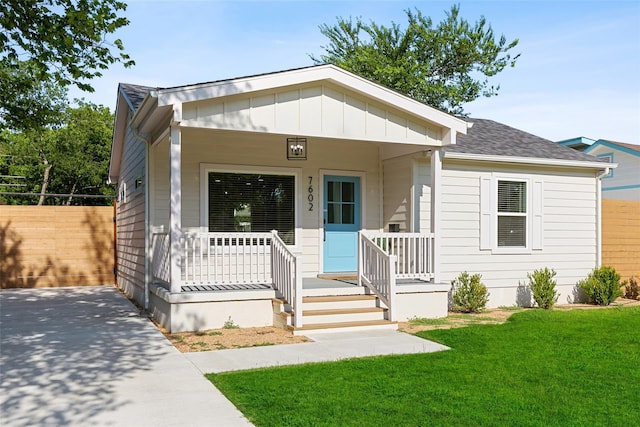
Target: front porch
{"points": [[254, 279]]}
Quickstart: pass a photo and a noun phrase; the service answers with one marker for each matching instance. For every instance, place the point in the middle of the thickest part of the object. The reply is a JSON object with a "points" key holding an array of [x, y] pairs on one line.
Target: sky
{"points": [[578, 73]]}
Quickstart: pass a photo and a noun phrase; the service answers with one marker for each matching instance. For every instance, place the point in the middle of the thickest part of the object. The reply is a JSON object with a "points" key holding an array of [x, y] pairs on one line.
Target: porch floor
{"points": [[307, 284]]}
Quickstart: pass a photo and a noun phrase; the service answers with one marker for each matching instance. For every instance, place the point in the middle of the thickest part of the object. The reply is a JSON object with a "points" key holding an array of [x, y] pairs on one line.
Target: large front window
{"points": [[512, 214], [242, 202]]}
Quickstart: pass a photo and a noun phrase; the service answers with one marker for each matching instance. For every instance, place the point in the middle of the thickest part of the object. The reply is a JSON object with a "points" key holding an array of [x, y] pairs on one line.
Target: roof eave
{"points": [[529, 160]]}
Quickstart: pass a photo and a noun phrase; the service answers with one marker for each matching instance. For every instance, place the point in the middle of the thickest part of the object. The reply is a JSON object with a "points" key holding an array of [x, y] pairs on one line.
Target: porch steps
{"points": [[329, 313]]}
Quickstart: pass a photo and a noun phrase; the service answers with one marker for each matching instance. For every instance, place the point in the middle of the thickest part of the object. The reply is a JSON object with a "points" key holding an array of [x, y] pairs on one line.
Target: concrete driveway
{"points": [[84, 356]]}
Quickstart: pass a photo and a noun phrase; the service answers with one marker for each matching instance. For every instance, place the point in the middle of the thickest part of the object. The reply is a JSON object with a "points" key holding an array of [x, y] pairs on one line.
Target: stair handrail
{"points": [[376, 271], [286, 274]]}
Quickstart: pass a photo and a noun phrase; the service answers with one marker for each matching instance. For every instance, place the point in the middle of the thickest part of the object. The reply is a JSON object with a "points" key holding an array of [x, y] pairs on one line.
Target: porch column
{"points": [[175, 209], [436, 200]]}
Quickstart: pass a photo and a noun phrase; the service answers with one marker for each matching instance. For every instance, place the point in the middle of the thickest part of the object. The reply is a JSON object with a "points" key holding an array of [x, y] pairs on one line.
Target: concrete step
{"points": [[344, 326], [339, 290], [337, 302], [330, 316]]}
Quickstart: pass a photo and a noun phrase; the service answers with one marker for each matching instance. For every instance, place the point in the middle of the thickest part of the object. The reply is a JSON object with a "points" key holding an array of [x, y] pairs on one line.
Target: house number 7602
{"points": [[310, 195]]}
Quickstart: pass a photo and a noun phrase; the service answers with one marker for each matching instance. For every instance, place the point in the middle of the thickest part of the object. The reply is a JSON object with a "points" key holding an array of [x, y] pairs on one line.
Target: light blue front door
{"points": [[341, 223]]}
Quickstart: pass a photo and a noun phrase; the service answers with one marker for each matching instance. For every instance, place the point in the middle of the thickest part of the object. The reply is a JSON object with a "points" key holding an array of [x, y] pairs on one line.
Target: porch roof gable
{"points": [[307, 76]]}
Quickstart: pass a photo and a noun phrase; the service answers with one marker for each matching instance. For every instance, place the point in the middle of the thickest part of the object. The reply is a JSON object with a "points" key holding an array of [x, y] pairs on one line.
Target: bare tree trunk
{"points": [[45, 178], [73, 190]]}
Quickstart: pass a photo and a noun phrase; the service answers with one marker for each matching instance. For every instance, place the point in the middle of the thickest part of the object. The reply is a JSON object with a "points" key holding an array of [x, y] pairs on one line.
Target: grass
{"points": [[567, 368]]}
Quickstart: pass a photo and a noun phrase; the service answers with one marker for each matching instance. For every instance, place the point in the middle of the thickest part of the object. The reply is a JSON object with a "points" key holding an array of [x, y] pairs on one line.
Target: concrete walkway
{"points": [[326, 347], [83, 356]]}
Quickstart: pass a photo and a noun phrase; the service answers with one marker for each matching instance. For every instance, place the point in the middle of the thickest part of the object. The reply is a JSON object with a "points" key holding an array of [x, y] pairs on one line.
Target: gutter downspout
{"points": [[147, 222], [599, 214]]}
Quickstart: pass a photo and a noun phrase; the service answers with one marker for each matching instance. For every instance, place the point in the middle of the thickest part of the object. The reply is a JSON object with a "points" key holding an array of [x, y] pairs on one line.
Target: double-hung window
{"points": [[511, 213]]}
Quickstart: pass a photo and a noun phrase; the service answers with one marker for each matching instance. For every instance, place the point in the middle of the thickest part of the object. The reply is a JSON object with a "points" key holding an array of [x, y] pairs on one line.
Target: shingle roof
{"points": [[625, 145], [487, 137], [135, 94]]}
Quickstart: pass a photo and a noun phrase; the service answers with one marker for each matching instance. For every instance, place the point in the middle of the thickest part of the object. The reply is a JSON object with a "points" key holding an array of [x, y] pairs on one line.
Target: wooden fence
{"points": [[621, 236], [55, 246]]}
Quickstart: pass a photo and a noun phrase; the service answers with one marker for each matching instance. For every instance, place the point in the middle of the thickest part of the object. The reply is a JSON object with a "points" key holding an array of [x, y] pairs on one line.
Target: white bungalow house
{"points": [[239, 199]]}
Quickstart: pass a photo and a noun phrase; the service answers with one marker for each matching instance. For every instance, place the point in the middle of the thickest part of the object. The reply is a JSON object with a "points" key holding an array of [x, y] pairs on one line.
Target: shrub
{"points": [[602, 285], [543, 287], [230, 324], [632, 290], [469, 294]]}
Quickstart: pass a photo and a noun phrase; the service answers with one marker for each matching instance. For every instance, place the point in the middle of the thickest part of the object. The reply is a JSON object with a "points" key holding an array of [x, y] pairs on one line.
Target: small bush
{"points": [[632, 290], [230, 324], [543, 287], [602, 285], [469, 294]]}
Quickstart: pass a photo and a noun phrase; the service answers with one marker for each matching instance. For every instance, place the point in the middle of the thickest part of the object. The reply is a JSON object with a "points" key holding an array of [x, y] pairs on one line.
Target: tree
{"points": [[64, 39], [53, 43], [443, 65], [70, 159], [83, 149]]}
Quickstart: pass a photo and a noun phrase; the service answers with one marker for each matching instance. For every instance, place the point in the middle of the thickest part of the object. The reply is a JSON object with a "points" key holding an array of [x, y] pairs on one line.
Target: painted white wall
{"points": [[130, 220], [569, 231]]}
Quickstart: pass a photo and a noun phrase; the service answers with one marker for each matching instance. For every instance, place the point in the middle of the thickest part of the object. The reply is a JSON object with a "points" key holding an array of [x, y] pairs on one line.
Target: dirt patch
{"points": [[494, 316], [228, 338], [220, 339]]}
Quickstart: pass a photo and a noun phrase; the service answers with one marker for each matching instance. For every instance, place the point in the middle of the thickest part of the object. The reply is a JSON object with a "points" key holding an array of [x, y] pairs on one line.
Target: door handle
{"points": [[324, 230]]}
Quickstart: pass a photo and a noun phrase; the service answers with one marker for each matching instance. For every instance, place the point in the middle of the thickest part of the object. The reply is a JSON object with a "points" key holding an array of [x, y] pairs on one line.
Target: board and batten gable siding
{"points": [[244, 151], [130, 220], [569, 233], [314, 110]]}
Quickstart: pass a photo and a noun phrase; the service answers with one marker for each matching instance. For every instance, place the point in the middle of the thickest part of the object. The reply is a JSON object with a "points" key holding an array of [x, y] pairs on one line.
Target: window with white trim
{"points": [[246, 202], [511, 210], [512, 214]]}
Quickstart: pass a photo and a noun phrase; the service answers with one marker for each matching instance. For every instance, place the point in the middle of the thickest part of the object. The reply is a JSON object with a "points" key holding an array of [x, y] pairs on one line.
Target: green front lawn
{"points": [[541, 368]]}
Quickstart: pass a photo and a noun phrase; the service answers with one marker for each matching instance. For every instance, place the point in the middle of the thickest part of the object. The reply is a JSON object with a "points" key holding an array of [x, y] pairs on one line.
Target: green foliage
{"points": [[443, 65], [602, 285], [65, 41], [47, 46], [540, 369], [469, 294], [230, 324], [72, 158], [28, 104], [632, 290], [543, 287]]}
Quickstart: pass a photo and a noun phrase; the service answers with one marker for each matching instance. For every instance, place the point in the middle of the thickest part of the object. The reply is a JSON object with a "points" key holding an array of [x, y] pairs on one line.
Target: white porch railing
{"points": [[286, 270], [413, 252], [226, 258], [376, 271]]}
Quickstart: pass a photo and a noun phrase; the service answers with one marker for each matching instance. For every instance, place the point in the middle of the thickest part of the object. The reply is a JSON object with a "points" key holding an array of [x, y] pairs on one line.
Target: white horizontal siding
{"points": [[397, 175], [423, 194], [569, 228], [130, 221]]}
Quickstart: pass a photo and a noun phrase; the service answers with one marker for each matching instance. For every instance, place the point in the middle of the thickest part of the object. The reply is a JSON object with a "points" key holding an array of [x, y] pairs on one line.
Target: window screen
{"points": [[240, 202], [512, 213]]}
